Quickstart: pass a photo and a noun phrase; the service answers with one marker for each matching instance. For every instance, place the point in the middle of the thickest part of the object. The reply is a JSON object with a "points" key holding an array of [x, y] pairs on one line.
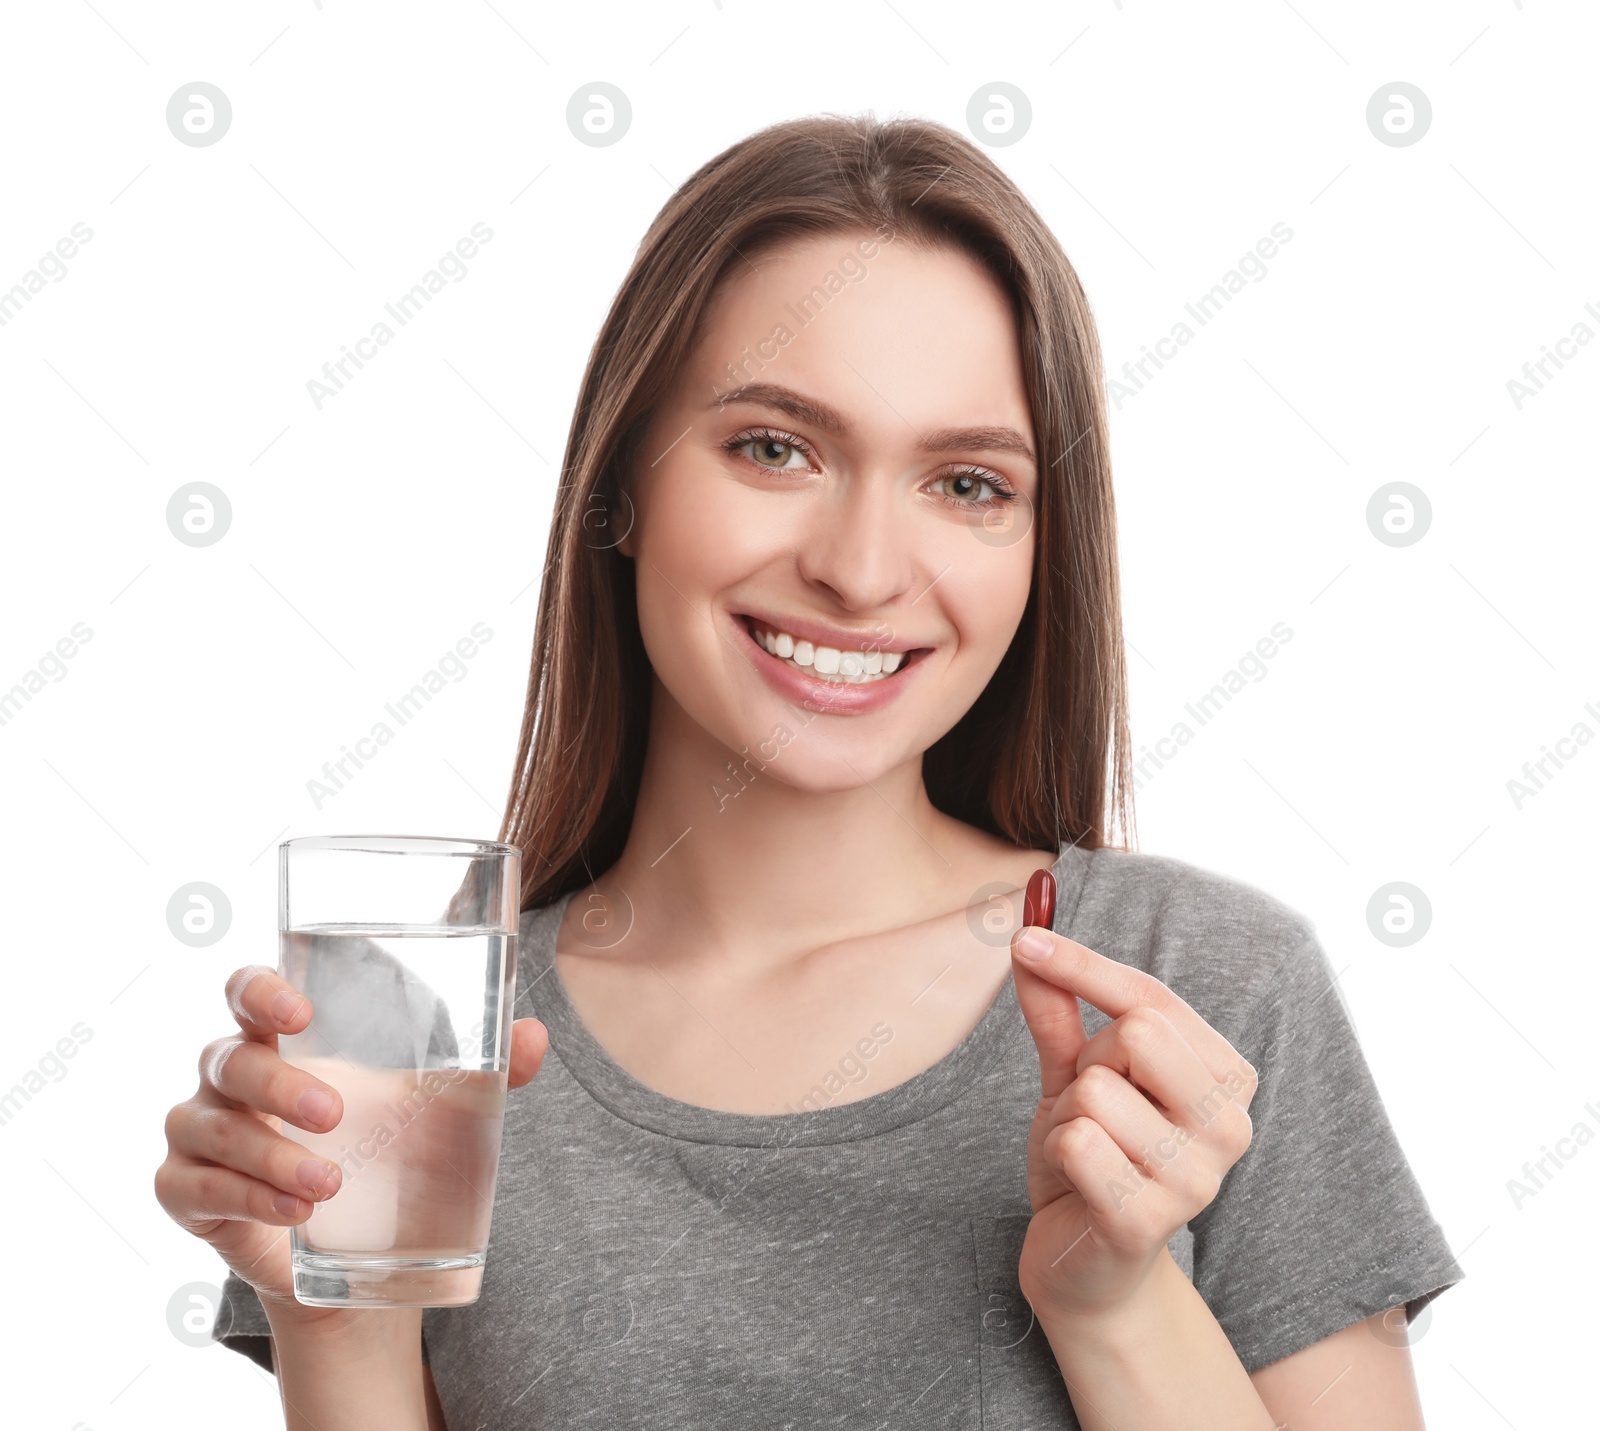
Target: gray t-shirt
{"points": [[655, 1263]]}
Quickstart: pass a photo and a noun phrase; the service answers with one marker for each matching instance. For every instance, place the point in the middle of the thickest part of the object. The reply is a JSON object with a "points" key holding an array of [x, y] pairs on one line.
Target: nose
{"points": [[857, 545]]}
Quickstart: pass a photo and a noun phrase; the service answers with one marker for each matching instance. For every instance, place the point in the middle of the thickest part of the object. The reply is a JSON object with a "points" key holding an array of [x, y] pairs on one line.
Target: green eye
{"points": [[968, 482], [773, 450], [764, 451]]}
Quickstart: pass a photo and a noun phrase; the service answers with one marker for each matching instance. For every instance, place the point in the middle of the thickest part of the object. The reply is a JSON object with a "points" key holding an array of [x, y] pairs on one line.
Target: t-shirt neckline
{"points": [[618, 1091]]}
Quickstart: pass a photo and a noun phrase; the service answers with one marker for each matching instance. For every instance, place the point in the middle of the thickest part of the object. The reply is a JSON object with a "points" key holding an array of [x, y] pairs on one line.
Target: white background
{"points": [[368, 537]]}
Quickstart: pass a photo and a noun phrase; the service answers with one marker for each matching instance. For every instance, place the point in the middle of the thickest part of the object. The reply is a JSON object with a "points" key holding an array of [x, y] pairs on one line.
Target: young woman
{"points": [[828, 667]]}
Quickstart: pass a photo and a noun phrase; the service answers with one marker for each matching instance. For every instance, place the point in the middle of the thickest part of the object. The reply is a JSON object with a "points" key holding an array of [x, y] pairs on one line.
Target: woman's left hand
{"points": [[1134, 1130]]}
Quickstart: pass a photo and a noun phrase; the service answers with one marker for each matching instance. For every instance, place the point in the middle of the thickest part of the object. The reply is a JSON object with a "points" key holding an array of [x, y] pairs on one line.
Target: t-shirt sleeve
{"points": [[241, 1323], [1321, 1223]]}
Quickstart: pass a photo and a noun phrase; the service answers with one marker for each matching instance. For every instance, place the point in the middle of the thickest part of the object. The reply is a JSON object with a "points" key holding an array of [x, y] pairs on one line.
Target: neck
{"points": [[723, 847]]}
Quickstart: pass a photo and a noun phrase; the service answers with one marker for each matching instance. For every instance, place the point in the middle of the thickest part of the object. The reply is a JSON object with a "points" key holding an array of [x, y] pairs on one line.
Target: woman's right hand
{"points": [[230, 1177]]}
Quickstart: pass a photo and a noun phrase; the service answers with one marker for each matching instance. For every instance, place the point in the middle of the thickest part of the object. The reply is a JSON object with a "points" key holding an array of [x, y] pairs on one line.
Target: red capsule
{"points": [[1039, 903]]}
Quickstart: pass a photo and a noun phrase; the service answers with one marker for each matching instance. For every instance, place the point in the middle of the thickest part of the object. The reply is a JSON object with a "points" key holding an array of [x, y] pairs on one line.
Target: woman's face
{"points": [[846, 463]]}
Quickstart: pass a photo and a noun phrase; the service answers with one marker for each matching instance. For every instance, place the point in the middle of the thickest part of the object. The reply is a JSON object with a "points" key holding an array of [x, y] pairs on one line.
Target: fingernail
{"points": [[285, 1005], [313, 1174], [1032, 944], [286, 1203], [315, 1106]]}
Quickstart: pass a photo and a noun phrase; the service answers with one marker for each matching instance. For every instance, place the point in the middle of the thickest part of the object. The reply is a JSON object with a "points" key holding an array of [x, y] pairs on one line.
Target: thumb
{"points": [[530, 1040], [1051, 1011]]}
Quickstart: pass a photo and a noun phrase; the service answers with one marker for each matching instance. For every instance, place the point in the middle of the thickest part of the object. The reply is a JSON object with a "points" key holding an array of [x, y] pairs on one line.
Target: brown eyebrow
{"points": [[820, 415]]}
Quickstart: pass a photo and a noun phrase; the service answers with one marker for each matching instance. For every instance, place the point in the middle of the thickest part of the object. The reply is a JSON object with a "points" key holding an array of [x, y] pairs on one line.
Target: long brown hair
{"points": [[1043, 753]]}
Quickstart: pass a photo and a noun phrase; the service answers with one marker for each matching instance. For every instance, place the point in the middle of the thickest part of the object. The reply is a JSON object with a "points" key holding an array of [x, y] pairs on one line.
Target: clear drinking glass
{"points": [[406, 946]]}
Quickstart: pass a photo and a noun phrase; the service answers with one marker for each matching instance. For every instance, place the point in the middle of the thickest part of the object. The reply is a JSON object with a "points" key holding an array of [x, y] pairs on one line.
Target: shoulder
{"points": [[537, 928], [1218, 941]]}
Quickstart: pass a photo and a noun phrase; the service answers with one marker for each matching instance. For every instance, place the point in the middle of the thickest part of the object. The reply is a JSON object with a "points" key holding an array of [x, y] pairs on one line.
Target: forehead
{"points": [[899, 339]]}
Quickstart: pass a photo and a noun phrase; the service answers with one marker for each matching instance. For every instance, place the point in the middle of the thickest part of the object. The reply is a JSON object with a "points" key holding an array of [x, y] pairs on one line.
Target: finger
{"points": [[1146, 1048], [1099, 1170], [1056, 1023], [194, 1192], [530, 1041], [251, 1074], [232, 1138], [1138, 1128], [1160, 1063], [1116, 988], [265, 1003]]}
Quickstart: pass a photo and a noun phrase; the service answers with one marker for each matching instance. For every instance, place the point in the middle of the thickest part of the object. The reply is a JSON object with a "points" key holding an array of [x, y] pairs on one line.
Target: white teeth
{"points": [[829, 662]]}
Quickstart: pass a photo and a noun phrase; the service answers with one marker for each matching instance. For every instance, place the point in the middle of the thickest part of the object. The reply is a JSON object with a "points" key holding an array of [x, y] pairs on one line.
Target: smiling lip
{"points": [[819, 633], [815, 693]]}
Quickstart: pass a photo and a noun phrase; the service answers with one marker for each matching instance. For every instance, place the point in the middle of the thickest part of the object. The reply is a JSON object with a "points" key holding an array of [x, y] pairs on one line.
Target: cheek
{"points": [[693, 543], [983, 597], [707, 534], [696, 530]]}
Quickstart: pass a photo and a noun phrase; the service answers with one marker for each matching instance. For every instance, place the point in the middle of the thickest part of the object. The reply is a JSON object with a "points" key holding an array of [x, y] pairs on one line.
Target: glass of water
{"points": [[406, 946]]}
